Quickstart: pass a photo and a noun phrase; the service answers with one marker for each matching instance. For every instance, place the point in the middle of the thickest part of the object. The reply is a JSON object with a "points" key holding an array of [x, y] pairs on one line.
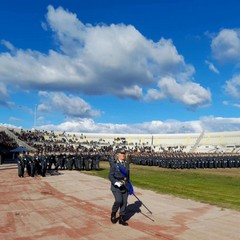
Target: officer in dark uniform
{"points": [[21, 165], [119, 186], [43, 166]]}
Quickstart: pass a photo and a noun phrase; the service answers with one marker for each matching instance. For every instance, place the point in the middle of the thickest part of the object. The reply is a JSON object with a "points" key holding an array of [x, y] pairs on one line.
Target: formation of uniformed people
{"points": [[39, 164], [187, 160]]}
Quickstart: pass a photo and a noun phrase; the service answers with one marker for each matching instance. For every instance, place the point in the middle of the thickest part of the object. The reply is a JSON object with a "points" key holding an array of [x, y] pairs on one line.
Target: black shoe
{"points": [[122, 221], [113, 218]]}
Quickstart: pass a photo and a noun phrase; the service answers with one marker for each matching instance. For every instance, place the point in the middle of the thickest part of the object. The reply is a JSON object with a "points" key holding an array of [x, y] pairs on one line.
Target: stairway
{"points": [[18, 141], [194, 147]]}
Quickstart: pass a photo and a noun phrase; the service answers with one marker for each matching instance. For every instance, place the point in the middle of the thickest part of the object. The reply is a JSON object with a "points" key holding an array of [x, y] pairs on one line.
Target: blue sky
{"points": [[153, 66]]}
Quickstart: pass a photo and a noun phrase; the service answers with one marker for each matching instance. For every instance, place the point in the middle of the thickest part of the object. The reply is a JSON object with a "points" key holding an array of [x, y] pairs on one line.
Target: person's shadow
{"points": [[132, 209]]}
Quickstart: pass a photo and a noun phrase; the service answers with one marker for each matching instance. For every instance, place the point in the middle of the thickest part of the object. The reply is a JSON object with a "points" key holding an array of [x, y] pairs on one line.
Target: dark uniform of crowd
{"points": [[187, 160], [41, 164]]}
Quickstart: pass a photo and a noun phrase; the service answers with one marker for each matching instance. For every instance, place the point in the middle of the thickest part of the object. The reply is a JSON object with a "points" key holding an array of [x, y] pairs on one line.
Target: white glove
{"points": [[118, 184]]}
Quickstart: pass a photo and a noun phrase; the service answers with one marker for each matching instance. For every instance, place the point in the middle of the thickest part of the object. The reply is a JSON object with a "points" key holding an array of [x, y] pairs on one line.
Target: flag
{"points": [[125, 175]]}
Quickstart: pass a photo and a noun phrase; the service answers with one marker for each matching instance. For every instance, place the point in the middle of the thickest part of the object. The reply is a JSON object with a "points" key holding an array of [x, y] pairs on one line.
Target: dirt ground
{"points": [[73, 205]]}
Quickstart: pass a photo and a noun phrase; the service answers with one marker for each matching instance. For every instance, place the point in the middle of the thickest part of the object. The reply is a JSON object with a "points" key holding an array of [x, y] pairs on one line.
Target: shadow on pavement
{"points": [[133, 209]]}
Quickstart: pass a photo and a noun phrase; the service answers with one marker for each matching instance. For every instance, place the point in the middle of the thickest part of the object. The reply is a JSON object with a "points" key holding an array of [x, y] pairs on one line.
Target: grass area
{"points": [[220, 187]]}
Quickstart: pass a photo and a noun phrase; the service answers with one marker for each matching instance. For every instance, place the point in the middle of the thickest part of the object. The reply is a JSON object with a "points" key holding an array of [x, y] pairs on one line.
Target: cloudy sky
{"points": [[138, 66]]}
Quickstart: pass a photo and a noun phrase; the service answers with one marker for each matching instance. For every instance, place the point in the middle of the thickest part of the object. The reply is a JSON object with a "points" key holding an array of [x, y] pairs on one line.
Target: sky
{"points": [[108, 66]]}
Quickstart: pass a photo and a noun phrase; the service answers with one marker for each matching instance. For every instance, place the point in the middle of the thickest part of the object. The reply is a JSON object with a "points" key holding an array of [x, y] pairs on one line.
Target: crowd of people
{"points": [[49, 144], [5, 141], [41, 164], [6, 144], [187, 160]]}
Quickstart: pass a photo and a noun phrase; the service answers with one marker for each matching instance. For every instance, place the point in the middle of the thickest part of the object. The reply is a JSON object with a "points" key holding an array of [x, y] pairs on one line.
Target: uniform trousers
{"points": [[120, 202]]}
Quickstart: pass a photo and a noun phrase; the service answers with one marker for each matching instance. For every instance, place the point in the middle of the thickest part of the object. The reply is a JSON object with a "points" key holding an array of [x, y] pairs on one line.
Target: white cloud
{"points": [[111, 59], [220, 124], [226, 46], [207, 124], [232, 86], [134, 91], [186, 92], [68, 105], [8, 45], [14, 119], [9, 125], [88, 125], [212, 67], [4, 95], [154, 94], [3, 91], [236, 105], [226, 49], [70, 32]]}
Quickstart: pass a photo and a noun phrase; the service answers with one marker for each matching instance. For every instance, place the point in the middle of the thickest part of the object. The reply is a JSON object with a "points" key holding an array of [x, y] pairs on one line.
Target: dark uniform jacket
{"points": [[115, 175]]}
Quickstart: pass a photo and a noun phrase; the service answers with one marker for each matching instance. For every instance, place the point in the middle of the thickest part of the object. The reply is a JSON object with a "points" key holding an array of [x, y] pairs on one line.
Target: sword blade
{"points": [[142, 203]]}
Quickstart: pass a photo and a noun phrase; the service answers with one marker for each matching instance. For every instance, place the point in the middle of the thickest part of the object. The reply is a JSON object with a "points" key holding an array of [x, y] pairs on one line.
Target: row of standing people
{"points": [[187, 161], [39, 164]]}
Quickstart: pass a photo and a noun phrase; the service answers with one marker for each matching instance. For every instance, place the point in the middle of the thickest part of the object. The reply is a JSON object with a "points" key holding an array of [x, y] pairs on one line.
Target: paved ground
{"points": [[73, 205]]}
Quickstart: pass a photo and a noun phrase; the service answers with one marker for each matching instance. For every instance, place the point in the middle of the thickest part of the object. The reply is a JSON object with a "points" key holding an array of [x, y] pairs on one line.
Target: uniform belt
{"points": [[122, 179]]}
